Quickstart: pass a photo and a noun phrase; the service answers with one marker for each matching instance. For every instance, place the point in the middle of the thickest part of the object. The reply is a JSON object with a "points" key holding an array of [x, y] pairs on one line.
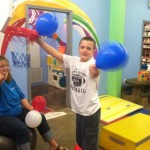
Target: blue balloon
{"points": [[46, 24], [111, 56]]}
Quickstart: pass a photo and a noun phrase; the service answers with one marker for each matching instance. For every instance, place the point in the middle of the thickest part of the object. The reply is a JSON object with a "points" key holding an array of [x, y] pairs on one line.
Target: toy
{"points": [[143, 75], [111, 56], [33, 119], [46, 24], [76, 147], [39, 103]]}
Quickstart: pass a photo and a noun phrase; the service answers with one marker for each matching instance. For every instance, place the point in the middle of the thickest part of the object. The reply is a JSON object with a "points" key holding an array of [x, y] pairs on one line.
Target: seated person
{"points": [[13, 109]]}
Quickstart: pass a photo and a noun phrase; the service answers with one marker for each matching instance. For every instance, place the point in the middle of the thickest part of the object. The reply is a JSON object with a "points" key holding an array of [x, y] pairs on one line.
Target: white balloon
{"points": [[33, 119]]}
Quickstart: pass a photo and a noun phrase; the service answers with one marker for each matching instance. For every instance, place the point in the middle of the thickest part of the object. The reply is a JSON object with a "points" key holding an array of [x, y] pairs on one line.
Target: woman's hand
{"points": [[94, 72], [26, 104], [2, 78]]}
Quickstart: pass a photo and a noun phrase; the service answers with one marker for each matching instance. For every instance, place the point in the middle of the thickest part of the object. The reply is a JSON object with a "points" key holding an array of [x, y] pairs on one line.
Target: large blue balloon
{"points": [[46, 24], [111, 56]]}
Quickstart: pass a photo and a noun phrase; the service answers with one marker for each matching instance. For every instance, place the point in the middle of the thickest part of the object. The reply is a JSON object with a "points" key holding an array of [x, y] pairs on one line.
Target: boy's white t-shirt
{"points": [[84, 96]]}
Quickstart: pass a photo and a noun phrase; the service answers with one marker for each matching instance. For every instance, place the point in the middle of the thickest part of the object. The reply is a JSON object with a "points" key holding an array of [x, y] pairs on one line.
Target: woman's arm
{"points": [[26, 104], [1, 78]]}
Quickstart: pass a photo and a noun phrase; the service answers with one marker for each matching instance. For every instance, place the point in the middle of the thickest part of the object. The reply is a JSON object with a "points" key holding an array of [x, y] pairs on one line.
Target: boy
{"points": [[84, 98]]}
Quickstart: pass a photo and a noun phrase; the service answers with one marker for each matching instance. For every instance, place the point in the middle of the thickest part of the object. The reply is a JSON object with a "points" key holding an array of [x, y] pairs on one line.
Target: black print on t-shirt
{"points": [[78, 77], [78, 80]]}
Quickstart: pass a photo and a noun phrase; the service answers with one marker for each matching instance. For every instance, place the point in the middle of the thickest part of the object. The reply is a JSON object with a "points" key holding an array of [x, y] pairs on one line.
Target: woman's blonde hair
{"points": [[3, 58]]}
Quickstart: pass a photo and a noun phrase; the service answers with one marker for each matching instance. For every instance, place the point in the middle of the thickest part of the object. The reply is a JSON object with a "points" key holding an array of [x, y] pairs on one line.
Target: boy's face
{"points": [[86, 50]]}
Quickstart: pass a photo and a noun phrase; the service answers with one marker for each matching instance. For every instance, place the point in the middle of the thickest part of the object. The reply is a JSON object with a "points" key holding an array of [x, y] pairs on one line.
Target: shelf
{"points": [[146, 43], [146, 48], [146, 62], [146, 36], [147, 30]]}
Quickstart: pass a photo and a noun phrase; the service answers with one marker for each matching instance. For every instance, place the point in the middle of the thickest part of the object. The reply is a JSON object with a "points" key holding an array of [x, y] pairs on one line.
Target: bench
{"points": [[145, 94], [145, 98]]}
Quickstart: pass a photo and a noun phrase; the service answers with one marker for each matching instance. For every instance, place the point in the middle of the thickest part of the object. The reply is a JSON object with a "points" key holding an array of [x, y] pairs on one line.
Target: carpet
{"points": [[63, 128]]}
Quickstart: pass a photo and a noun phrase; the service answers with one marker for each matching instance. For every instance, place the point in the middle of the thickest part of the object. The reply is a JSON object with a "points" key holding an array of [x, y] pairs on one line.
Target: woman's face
{"points": [[4, 68]]}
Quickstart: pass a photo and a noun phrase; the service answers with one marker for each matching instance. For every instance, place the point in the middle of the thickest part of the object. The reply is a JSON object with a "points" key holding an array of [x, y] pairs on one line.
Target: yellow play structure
{"points": [[131, 133]]}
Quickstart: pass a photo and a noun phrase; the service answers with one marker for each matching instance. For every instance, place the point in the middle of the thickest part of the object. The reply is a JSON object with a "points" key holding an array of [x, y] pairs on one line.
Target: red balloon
{"points": [[77, 147], [39, 103]]}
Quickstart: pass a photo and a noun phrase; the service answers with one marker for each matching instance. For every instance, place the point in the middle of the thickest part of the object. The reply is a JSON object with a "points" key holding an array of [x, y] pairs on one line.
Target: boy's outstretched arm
{"points": [[50, 50]]}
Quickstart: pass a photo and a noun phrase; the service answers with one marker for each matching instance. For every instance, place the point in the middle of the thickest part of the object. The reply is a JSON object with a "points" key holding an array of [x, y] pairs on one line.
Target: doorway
{"points": [[39, 63]]}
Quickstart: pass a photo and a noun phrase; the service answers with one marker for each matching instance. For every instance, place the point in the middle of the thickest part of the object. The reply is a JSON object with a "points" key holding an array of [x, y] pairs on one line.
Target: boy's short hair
{"points": [[87, 38]]}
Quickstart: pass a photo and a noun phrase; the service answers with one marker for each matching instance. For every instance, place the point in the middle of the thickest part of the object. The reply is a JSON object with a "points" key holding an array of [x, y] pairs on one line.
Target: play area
{"points": [[131, 133], [125, 124], [114, 108]]}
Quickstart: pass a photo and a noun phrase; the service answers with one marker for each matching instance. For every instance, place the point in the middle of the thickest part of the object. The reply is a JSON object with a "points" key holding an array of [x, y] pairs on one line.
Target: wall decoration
{"points": [[81, 22]]}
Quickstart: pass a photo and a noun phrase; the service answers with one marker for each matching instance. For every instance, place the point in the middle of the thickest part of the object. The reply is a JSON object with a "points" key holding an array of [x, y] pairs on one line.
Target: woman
{"points": [[13, 109]]}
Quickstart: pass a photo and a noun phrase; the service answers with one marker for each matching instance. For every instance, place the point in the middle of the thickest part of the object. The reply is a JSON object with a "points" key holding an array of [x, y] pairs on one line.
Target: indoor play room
{"points": [[121, 30]]}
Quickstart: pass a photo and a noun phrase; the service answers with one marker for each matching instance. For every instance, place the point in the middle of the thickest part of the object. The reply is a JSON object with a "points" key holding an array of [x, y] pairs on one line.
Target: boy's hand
{"points": [[94, 72], [38, 40]]}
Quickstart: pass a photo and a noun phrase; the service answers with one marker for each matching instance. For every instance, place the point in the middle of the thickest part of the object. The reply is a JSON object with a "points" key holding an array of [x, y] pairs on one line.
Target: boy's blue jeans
{"points": [[87, 131]]}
